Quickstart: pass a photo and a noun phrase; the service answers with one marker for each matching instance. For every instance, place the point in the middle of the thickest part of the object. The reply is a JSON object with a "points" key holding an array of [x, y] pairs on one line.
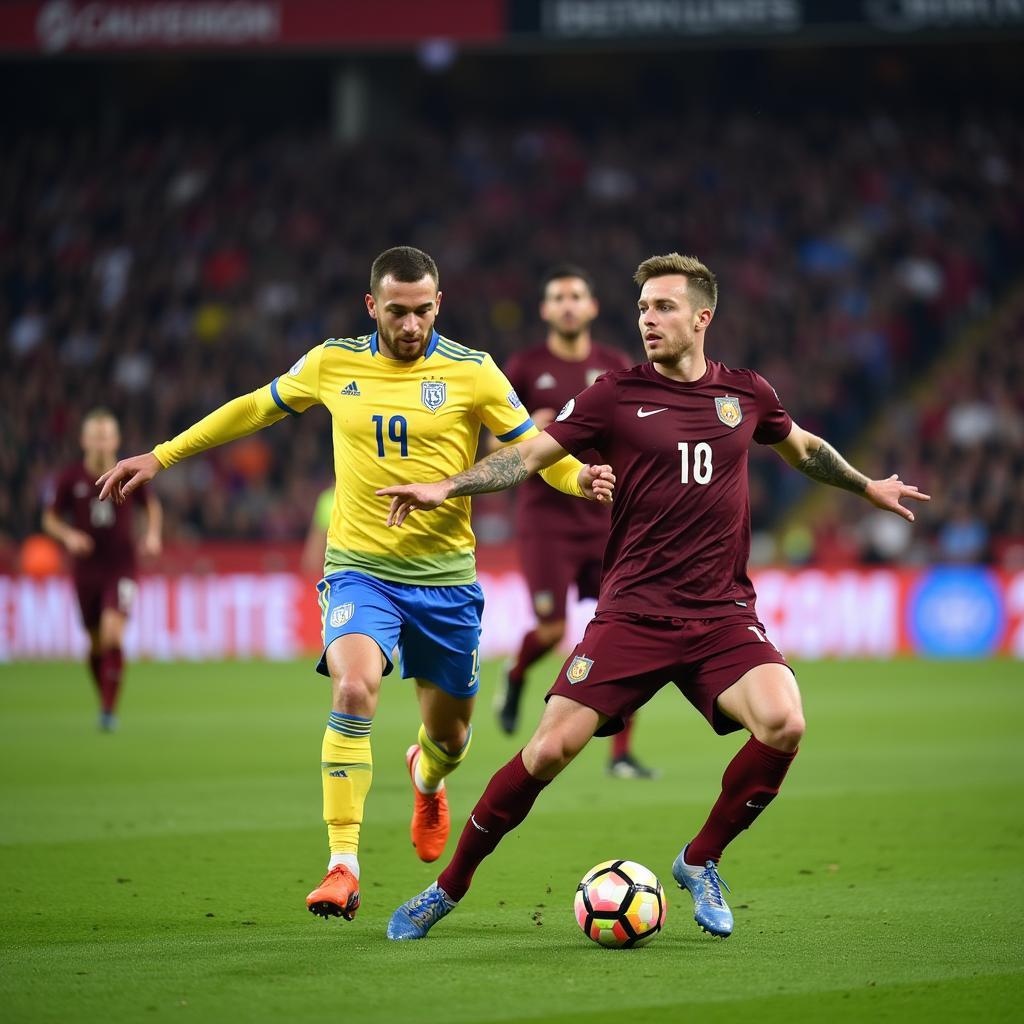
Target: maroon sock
{"points": [[750, 783], [96, 668], [505, 803], [621, 740], [529, 651], [111, 670]]}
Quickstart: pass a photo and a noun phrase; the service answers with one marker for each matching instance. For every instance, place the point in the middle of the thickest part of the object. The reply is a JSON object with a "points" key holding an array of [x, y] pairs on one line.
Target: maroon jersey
{"points": [[543, 381], [680, 534], [76, 499]]}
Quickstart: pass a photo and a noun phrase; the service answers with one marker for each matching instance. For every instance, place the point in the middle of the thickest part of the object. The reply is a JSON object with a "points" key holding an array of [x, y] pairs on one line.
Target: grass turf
{"points": [[159, 873]]}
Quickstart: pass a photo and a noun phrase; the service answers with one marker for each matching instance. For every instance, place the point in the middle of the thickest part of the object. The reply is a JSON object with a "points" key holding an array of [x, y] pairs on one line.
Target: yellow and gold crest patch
{"points": [[578, 670], [729, 411]]}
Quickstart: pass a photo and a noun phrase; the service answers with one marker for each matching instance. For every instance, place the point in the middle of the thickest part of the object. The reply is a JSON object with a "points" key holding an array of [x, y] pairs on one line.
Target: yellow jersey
{"points": [[393, 422]]}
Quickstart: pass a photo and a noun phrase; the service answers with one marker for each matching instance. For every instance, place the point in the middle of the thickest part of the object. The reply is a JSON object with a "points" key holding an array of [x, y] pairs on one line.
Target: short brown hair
{"points": [[699, 279], [564, 270], [403, 263]]}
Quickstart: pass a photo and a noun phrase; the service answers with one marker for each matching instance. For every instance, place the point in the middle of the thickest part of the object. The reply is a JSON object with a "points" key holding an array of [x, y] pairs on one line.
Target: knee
{"points": [[546, 755], [353, 692], [785, 730]]}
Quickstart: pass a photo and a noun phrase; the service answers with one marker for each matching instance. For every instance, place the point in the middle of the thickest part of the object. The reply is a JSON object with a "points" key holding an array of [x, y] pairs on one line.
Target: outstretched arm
{"points": [[497, 472], [234, 419], [816, 458]]}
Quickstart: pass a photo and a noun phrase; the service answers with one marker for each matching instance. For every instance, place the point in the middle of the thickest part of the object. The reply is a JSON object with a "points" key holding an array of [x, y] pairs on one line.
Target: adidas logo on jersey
{"points": [[352, 389], [545, 380]]}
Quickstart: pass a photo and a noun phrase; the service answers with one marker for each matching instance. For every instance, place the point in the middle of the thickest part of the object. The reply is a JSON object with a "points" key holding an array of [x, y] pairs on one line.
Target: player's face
{"points": [[405, 313], [668, 323], [568, 308], [100, 440]]}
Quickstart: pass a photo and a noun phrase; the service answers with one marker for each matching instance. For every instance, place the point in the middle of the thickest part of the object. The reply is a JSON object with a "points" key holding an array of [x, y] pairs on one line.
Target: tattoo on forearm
{"points": [[828, 466], [497, 472]]}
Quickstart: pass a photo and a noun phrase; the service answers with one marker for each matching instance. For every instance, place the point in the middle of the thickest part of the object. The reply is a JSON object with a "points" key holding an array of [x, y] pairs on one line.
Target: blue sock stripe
{"points": [[352, 726]]}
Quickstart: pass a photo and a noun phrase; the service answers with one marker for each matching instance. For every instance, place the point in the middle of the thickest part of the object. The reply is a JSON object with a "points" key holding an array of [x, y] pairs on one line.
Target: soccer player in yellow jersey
{"points": [[406, 403]]}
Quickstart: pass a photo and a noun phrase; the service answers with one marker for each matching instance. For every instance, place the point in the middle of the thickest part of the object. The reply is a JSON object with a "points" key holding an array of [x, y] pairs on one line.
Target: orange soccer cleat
{"points": [[336, 896], [431, 822]]}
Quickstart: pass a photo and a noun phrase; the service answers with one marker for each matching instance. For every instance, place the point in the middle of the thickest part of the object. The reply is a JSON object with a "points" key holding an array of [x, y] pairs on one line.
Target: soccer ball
{"points": [[620, 904]]}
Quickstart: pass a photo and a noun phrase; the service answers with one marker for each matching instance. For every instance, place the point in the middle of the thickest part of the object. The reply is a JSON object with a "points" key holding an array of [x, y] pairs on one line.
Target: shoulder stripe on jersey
{"points": [[279, 400], [459, 348], [350, 346], [513, 434], [467, 355]]}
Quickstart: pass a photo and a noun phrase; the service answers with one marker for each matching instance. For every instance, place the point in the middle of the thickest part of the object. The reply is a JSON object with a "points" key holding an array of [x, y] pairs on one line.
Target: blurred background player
{"points": [[100, 538], [560, 541], [315, 546], [401, 398]]}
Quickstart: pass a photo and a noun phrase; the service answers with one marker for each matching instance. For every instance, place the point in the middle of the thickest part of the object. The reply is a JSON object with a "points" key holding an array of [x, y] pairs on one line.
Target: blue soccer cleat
{"points": [[710, 910], [412, 920]]}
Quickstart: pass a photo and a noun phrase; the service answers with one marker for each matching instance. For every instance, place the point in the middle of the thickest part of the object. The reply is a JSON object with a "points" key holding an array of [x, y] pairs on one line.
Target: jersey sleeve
{"points": [[497, 405], [585, 420], [773, 422], [298, 389], [287, 395]]}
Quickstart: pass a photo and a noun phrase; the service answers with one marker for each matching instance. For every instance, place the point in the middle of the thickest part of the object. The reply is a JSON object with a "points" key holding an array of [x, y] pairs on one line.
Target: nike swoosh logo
{"points": [[757, 807], [477, 825], [644, 413]]}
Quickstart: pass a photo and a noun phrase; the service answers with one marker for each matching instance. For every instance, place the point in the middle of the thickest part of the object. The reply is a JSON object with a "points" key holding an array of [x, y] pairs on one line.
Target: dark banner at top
{"points": [[55, 27], [141, 26], [721, 20]]}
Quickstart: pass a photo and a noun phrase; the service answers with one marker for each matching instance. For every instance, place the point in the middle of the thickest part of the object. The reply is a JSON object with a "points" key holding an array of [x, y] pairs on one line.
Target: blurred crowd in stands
{"points": [[162, 275]]}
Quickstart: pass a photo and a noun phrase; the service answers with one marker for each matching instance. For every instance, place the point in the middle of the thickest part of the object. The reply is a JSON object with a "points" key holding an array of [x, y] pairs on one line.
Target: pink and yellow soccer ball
{"points": [[620, 904]]}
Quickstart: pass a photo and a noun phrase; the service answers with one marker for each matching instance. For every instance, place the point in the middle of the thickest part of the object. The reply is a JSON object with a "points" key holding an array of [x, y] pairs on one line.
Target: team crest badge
{"points": [[434, 394], [543, 602], [729, 411], [341, 614], [579, 669]]}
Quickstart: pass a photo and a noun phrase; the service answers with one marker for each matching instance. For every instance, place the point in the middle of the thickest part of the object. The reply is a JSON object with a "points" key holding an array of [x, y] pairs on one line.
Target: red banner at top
{"points": [[112, 26]]}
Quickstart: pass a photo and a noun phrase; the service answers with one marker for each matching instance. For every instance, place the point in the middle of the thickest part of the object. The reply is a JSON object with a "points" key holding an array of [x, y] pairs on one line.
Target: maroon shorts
{"points": [[623, 660], [98, 593], [551, 564]]}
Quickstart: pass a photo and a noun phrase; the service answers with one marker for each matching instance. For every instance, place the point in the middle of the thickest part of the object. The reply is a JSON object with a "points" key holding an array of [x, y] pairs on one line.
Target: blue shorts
{"points": [[436, 629]]}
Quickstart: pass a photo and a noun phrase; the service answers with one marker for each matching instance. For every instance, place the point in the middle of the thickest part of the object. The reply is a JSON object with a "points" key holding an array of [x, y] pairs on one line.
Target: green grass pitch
{"points": [[160, 873]]}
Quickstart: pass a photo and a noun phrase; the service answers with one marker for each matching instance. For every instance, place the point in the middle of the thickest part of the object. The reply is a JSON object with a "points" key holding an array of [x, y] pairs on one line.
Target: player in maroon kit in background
{"points": [[676, 603], [570, 546], [99, 536]]}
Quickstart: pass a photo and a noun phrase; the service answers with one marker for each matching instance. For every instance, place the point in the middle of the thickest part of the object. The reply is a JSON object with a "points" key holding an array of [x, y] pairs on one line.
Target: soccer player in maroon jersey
{"points": [[99, 536], [676, 603], [570, 547]]}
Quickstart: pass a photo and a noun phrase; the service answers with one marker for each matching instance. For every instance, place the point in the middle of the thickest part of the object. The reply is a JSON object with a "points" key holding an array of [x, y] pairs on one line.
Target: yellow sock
{"points": [[436, 762], [346, 767]]}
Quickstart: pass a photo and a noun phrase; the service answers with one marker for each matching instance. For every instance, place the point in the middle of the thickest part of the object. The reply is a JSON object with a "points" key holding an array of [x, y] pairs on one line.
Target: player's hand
{"points": [[151, 545], [78, 543], [543, 418], [127, 475], [406, 498], [886, 494], [598, 483]]}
